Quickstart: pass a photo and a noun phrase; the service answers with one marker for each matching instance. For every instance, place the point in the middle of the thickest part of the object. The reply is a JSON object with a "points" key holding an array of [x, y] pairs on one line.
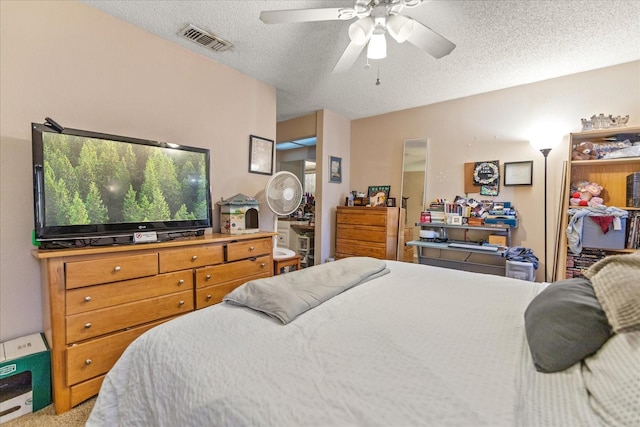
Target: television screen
{"points": [[88, 184]]}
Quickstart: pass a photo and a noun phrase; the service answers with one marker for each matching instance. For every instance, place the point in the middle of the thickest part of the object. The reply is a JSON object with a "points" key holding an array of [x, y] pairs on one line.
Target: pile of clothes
{"points": [[518, 253]]}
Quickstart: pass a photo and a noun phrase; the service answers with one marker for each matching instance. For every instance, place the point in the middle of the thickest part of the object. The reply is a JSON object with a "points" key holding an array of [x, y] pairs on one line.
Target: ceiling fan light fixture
{"points": [[360, 31], [400, 27], [377, 48]]}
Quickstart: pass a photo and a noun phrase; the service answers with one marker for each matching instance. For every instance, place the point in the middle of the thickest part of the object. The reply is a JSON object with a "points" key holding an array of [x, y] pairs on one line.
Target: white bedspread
{"points": [[421, 346]]}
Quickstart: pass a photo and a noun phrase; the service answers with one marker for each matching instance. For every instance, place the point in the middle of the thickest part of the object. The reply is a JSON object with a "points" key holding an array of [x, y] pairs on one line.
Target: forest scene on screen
{"points": [[95, 181]]}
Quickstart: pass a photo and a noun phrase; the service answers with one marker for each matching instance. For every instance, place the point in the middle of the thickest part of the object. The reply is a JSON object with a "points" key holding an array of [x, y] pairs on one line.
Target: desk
{"points": [[467, 259]]}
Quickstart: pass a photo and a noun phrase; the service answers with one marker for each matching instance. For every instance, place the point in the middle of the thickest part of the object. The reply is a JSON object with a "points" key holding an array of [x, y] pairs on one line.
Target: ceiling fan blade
{"points": [[428, 40], [306, 15], [348, 57]]}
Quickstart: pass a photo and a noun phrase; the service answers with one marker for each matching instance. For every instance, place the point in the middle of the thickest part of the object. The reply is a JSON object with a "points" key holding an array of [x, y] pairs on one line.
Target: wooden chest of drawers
{"points": [[97, 300], [365, 231]]}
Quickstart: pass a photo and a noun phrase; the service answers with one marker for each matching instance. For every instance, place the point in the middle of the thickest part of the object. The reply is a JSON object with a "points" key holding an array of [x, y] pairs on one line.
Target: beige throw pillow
{"points": [[616, 282]]}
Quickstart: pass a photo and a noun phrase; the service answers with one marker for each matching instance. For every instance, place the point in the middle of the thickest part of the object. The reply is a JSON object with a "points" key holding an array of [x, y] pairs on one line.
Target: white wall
{"points": [[88, 70], [496, 126]]}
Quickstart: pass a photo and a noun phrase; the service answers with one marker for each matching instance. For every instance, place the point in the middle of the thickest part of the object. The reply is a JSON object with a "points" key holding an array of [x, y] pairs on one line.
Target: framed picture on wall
{"points": [[518, 173], [335, 169], [260, 155]]}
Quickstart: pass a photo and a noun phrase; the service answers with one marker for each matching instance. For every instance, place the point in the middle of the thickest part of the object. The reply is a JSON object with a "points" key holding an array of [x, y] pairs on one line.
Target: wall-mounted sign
{"points": [[486, 173]]}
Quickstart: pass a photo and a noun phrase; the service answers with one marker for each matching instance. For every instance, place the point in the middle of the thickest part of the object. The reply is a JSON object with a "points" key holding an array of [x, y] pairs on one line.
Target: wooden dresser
{"points": [[366, 231], [97, 300]]}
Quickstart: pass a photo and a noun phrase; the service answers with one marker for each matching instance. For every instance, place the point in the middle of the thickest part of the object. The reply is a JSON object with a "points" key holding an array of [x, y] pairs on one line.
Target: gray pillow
{"points": [[564, 324]]}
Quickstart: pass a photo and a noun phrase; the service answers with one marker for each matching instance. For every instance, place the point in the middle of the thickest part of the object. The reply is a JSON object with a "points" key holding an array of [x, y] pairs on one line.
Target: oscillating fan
{"points": [[283, 194]]}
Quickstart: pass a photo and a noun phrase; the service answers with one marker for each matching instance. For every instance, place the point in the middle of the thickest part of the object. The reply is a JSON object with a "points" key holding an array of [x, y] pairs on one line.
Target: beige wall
{"points": [[88, 70], [334, 134], [297, 128], [496, 126]]}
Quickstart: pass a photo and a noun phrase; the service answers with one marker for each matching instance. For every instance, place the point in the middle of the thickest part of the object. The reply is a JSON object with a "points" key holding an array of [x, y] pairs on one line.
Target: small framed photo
{"points": [[335, 169], [391, 202], [456, 220], [518, 173], [378, 195], [260, 155]]}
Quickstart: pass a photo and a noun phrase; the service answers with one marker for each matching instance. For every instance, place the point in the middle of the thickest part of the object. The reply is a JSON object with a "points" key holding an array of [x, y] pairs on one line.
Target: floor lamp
{"points": [[545, 152]]}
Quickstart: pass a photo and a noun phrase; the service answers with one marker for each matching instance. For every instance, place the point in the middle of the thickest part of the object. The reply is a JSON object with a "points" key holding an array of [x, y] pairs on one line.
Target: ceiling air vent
{"points": [[205, 39]]}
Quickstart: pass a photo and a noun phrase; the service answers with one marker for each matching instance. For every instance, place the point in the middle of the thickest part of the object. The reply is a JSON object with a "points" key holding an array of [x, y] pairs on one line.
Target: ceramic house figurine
{"points": [[239, 215]]}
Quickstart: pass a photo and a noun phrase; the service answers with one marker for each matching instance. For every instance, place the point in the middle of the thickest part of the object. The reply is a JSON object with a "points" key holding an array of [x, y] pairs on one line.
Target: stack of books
{"points": [[578, 264], [436, 211]]}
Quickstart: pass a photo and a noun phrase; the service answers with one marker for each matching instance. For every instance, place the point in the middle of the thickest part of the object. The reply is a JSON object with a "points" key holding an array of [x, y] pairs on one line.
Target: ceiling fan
{"points": [[375, 19]]}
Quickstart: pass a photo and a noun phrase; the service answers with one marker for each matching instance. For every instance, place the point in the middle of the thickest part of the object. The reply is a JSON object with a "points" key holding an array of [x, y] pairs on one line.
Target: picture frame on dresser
{"points": [[378, 195]]}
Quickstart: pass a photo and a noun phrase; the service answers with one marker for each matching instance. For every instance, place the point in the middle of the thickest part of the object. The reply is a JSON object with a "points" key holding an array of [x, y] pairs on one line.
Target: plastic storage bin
{"points": [[520, 270], [593, 237]]}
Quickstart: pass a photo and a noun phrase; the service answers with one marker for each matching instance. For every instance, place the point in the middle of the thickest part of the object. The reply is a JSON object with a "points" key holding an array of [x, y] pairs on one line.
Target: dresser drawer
{"points": [[368, 216], [85, 390], [111, 269], [248, 248], [190, 257], [363, 233], [216, 274], [346, 248], [213, 294], [93, 358], [100, 296], [87, 325]]}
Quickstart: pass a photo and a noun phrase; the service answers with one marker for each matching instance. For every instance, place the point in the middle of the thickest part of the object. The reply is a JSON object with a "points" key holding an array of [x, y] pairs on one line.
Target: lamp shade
{"points": [[377, 48], [360, 31], [399, 27]]}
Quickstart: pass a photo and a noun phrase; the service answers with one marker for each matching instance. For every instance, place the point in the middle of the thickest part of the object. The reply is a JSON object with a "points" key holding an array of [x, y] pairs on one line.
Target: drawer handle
{"points": [[181, 303], [87, 299], [195, 257], [262, 265], [180, 282], [88, 362], [208, 297], [251, 249], [207, 277], [117, 268], [87, 325]]}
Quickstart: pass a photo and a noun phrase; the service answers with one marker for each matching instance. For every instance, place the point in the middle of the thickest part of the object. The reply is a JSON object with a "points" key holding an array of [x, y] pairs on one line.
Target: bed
{"points": [[400, 344]]}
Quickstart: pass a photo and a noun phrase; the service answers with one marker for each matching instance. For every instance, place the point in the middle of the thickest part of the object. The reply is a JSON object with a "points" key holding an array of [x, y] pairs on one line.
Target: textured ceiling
{"points": [[500, 44]]}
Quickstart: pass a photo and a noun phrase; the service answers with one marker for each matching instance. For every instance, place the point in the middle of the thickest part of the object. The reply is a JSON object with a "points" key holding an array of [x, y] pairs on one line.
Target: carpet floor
{"points": [[46, 417]]}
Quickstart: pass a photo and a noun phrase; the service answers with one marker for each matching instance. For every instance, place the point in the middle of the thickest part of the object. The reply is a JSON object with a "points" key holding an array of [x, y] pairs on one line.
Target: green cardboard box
{"points": [[25, 376]]}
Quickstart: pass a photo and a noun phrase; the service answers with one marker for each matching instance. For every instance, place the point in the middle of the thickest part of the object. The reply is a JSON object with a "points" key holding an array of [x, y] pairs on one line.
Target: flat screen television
{"points": [[92, 185]]}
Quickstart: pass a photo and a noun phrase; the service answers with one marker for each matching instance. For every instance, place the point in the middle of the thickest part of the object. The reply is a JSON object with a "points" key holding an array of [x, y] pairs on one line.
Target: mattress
{"points": [[421, 345]]}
